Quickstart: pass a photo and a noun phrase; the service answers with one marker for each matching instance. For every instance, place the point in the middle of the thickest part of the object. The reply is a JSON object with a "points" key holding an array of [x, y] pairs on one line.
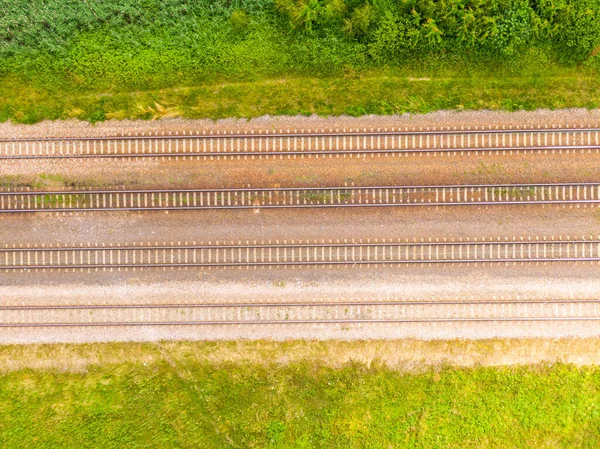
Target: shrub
{"points": [[513, 30], [134, 44], [581, 31], [240, 21], [593, 63], [391, 41], [360, 21]]}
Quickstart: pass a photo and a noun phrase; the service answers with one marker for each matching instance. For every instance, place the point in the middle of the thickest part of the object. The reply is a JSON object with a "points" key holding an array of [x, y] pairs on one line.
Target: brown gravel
{"points": [[307, 172], [305, 224], [412, 170], [73, 128]]}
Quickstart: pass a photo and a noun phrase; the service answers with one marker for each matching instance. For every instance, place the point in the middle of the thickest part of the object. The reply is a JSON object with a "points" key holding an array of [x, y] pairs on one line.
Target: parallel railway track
{"points": [[365, 312], [391, 253], [274, 198], [298, 254], [297, 143]]}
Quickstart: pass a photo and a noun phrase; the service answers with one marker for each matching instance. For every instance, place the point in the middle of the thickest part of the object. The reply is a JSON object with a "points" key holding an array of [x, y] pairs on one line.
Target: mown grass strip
{"points": [[371, 93]]}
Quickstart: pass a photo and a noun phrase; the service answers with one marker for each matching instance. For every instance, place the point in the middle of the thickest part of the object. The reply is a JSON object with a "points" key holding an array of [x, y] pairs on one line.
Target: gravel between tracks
{"points": [[525, 282], [234, 225], [308, 172]]}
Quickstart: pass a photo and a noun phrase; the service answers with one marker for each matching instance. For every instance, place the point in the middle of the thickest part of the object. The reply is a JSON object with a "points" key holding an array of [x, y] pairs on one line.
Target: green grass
{"points": [[163, 396], [373, 92]]}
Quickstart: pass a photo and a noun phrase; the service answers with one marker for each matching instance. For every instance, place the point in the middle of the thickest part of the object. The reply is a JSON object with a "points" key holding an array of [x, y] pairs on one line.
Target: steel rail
{"points": [[262, 135], [19, 201], [297, 304], [300, 264], [360, 312], [298, 245], [318, 144], [301, 206]]}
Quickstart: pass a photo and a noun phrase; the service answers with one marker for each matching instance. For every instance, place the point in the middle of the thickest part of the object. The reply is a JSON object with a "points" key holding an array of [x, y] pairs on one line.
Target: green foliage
{"points": [[360, 21], [313, 15], [179, 40], [513, 31], [392, 39], [593, 63], [86, 47], [526, 85], [580, 32], [334, 11], [307, 14]]}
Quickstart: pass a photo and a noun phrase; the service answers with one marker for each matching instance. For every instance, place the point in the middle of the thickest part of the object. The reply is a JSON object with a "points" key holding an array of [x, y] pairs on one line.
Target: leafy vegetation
{"points": [[98, 47], [187, 403]]}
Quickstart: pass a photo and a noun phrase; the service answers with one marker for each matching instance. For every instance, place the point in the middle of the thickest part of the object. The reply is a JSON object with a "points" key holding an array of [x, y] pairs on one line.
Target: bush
{"points": [[135, 44], [240, 22], [580, 32], [593, 63], [391, 41], [360, 21], [514, 30]]}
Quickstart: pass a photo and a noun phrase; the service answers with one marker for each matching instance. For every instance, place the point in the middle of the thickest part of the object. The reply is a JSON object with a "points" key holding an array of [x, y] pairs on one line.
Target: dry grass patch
{"points": [[399, 355]]}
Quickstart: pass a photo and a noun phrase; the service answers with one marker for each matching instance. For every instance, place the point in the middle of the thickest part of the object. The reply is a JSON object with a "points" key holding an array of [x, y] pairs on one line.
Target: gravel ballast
{"points": [[426, 283]]}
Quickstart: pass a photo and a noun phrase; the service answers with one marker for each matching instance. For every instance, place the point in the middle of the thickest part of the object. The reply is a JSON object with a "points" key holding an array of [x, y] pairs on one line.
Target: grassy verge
{"points": [[371, 92], [214, 395]]}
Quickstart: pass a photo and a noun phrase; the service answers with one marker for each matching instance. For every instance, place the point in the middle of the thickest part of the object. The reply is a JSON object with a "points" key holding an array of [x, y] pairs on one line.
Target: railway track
{"points": [[299, 313], [298, 143], [273, 198], [297, 254]]}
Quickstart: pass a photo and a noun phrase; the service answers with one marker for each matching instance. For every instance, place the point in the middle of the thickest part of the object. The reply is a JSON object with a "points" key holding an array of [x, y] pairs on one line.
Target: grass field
{"points": [[217, 395]]}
